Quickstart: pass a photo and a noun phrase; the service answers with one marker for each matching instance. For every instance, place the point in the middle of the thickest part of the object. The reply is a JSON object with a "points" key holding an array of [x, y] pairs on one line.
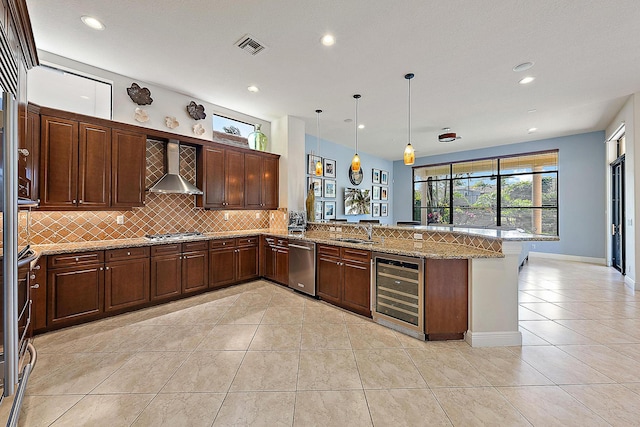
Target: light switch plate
{"points": [[120, 219], [257, 215], [226, 216], [417, 236]]}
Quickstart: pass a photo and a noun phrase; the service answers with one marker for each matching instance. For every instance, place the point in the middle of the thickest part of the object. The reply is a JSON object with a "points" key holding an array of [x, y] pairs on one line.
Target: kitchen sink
{"points": [[352, 240]]}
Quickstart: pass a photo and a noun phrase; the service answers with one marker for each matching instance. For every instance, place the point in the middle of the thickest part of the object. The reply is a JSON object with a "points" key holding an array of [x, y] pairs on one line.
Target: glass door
{"points": [[617, 214]]}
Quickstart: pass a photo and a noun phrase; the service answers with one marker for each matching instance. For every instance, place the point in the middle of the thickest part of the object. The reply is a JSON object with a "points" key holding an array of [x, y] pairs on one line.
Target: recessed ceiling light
{"points": [[84, 97], [523, 67], [348, 120], [360, 126], [253, 89], [533, 110], [532, 130], [92, 22], [328, 40], [527, 80]]}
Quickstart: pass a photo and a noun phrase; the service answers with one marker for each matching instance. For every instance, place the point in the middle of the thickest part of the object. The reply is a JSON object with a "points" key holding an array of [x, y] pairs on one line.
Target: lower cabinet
{"points": [[276, 259], [75, 288], [166, 271], [195, 266], [232, 260], [126, 278], [446, 298], [343, 277]]}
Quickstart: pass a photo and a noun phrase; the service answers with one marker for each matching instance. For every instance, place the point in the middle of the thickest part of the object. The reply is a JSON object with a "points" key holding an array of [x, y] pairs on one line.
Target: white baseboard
{"points": [[563, 257], [494, 339], [631, 284]]}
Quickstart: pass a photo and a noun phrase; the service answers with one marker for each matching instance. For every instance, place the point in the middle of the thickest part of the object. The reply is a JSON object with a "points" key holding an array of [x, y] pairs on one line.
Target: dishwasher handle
{"points": [[300, 247]]}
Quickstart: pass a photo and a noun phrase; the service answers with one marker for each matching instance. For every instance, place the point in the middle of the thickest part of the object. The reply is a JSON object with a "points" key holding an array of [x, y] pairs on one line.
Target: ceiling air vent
{"points": [[249, 44]]}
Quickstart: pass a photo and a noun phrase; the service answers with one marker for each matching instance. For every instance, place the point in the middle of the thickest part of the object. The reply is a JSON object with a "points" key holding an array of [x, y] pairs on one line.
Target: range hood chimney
{"points": [[172, 182]]}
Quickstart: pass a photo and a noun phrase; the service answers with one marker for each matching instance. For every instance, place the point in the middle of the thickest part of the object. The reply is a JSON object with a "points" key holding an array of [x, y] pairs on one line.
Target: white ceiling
{"points": [[586, 54]]}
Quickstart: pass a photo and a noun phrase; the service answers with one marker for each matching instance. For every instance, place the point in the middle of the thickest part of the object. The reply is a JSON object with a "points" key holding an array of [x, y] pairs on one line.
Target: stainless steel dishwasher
{"points": [[302, 266]]}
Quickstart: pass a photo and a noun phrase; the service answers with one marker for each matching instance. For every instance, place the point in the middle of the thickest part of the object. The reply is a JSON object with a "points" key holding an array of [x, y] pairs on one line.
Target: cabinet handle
{"points": [[79, 202], [223, 243], [101, 268], [77, 259], [23, 151], [106, 268], [36, 286], [128, 253], [32, 277], [73, 201], [37, 267]]}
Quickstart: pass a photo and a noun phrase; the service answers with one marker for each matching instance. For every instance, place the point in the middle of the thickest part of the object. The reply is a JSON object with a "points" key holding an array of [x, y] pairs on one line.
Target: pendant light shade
{"points": [[409, 152], [318, 163], [355, 162]]}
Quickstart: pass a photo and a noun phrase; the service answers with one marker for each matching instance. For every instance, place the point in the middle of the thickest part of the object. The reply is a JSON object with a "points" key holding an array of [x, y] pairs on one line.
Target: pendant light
{"points": [[355, 162], [409, 152], [318, 163]]}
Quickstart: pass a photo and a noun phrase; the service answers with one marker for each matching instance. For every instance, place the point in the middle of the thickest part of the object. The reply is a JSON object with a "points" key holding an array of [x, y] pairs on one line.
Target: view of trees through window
{"points": [[519, 192]]}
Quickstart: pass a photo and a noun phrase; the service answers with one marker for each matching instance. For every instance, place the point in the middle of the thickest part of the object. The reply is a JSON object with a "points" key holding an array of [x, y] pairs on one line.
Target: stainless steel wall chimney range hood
{"points": [[172, 182]]}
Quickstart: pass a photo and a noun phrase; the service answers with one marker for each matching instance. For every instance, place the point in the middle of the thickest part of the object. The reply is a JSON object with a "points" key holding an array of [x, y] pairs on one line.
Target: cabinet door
{"points": [[446, 298], [195, 271], [211, 173], [29, 138], [128, 168], [356, 294], [282, 265], [166, 277], [126, 284], [94, 166], [75, 294], [270, 262], [222, 267], [253, 181], [329, 278], [247, 257], [39, 295], [234, 180], [270, 183], [58, 163]]}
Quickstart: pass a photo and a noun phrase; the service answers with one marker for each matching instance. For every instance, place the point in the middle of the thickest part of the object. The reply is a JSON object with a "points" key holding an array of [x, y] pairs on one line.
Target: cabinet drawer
{"points": [[80, 258], [246, 241], [126, 253], [333, 251], [356, 255], [283, 242], [195, 246], [270, 241], [174, 248], [222, 243]]}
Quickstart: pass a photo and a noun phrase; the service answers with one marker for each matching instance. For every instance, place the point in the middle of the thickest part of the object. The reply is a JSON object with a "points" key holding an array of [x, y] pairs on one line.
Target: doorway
{"points": [[617, 214]]}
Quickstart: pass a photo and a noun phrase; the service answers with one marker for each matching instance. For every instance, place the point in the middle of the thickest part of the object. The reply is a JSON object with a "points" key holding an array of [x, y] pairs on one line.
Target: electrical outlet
{"points": [[257, 215], [533, 246], [120, 219], [273, 217], [339, 229], [226, 216], [417, 236], [417, 245]]}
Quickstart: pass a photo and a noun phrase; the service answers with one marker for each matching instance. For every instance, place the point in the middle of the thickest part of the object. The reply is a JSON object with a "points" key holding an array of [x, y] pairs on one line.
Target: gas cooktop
{"points": [[172, 236]]}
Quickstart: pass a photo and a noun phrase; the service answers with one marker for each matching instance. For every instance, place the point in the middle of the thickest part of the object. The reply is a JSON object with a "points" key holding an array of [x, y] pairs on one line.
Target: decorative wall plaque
{"points": [[139, 95], [196, 111]]}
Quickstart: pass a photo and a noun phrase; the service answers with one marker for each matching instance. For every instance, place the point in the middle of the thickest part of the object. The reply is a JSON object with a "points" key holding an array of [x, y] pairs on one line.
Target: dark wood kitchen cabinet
{"points": [[261, 181], [233, 260], [38, 289], [195, 266], [128, 169], [446, 298], [75, 288], [276, 259], [166, 271], [28, 161], [126, 278], [344, 277], [75, 164], [221, 178]]}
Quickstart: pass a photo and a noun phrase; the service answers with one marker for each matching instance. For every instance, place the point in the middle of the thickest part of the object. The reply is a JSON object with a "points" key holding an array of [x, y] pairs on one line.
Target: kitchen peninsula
{"points": [[487, 260]]}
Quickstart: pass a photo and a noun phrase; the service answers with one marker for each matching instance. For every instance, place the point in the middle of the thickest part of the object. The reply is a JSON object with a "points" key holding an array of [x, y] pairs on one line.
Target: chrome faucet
{"points": [[368, 228]]}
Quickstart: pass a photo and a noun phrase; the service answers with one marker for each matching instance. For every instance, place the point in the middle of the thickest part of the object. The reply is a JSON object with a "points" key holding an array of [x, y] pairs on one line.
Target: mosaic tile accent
{"points": [[355, 230]]}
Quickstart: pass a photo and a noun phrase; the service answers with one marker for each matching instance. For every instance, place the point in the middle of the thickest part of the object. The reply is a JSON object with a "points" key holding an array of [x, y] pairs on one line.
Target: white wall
{"points": [[288, 141], [166, 102], [630, 116]]}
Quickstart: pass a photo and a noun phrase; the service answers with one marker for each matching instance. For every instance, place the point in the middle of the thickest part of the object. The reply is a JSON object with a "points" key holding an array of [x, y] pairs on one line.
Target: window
{"points": [[511, 192], [227, 125]]}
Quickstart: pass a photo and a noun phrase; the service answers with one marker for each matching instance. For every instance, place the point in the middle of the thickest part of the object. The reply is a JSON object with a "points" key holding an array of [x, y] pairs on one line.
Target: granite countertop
{"points": [[505, 234], [391, 246]]}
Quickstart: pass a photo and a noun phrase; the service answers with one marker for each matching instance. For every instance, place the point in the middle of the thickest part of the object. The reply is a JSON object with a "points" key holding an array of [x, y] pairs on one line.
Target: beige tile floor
{"points": [[259, 354]]}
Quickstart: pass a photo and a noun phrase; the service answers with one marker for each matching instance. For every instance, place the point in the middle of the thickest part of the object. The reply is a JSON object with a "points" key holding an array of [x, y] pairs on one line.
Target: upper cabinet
{"points": [[221, 177], [261, 181], [89, 166]]}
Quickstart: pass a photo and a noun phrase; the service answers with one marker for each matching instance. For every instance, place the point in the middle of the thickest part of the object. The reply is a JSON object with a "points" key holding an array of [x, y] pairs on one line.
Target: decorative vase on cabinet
{"points": [[311, 205], [257, 139]]}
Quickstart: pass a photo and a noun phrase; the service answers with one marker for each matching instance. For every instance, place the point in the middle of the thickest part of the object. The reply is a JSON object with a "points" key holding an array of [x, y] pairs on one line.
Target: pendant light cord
{"points": [[318, 130], [356, 122], [409, 141]]}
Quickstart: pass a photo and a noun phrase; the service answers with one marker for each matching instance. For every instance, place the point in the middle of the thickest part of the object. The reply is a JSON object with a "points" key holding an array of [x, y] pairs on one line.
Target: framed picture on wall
{"points": [[375, 209], [329, 210], [384, 209], [375, 176], [311, 164], [319, 211], [383, 193], [330, 188], [375, 192], [329, 167], [384, 177], [317, 186]]}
